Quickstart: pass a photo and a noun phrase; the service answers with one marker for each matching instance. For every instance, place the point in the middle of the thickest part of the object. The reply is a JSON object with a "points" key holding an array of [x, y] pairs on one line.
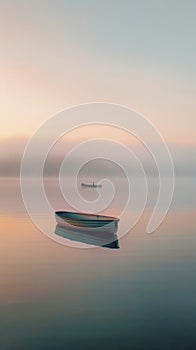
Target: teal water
{"points": [[141, 296]]}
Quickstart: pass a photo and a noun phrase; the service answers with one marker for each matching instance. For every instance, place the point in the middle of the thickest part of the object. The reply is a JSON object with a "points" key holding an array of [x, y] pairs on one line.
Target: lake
{"points": [[141, 296]]}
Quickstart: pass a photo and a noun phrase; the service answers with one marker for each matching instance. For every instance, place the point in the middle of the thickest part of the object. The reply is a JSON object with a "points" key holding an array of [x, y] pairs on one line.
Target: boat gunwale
{"points": [[105, 217]]}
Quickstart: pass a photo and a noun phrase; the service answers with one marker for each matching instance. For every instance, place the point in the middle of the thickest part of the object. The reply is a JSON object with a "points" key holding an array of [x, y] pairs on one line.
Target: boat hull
{"points": [[87, 222]]}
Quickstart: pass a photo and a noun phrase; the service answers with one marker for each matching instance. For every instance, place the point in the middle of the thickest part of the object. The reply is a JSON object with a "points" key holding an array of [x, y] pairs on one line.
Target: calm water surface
{"points": [[141, 296]]}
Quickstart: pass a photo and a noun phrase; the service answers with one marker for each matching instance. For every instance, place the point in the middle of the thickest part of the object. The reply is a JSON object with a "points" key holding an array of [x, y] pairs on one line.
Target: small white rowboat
{"points": [[87, 222]]}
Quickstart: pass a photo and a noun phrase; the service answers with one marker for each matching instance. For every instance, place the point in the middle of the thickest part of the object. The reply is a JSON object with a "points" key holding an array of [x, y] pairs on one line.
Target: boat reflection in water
{"points": [[101, 239]]}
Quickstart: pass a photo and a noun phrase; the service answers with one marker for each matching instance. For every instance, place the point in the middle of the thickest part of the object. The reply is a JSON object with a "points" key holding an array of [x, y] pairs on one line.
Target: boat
{"points": [[93, 185], [104, 239], [87, 222]]}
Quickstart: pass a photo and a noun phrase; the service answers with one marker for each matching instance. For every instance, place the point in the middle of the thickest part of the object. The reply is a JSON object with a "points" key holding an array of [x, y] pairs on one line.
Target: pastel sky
{"points": [[141, 54]]}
